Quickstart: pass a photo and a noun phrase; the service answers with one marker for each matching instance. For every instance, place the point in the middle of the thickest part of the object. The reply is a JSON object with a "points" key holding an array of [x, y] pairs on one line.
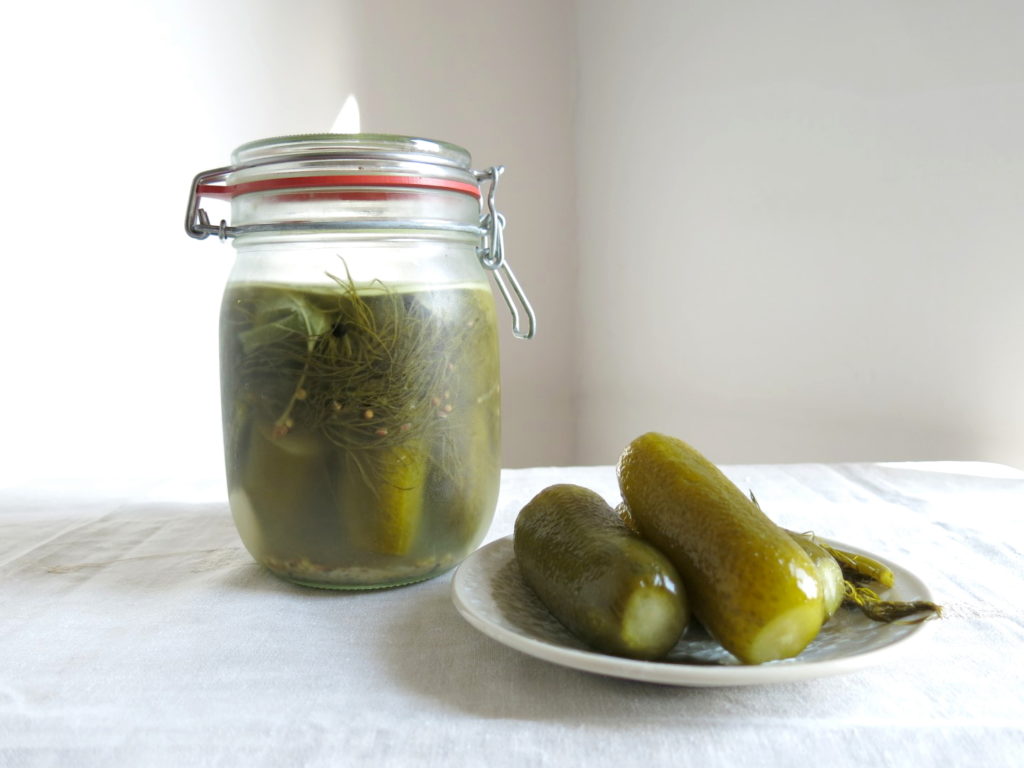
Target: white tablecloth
{"points": [[136, 630]]}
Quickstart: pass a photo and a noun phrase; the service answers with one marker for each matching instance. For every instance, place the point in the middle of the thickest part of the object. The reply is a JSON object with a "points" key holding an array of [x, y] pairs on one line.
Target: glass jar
{"points": [[359, 354]]}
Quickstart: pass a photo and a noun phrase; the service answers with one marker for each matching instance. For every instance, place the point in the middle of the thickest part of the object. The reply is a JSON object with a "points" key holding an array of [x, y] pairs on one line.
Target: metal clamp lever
{"points": [[197, 222], [492, 257]]}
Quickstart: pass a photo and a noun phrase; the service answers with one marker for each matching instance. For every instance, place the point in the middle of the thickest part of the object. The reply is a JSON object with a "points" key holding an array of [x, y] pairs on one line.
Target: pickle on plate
{"points": [[748, 582], [861, 574], [607, 586], [830, 575]]}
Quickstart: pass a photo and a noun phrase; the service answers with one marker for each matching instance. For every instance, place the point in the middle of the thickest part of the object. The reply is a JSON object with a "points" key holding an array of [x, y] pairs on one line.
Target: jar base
{"points": [[351, 579], [357, 587]]}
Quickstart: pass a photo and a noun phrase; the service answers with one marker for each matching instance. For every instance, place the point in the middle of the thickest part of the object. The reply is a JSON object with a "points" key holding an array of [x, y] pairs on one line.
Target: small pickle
{"points": [[833, 587], [861, 568], [861, 574], [611, 589]]}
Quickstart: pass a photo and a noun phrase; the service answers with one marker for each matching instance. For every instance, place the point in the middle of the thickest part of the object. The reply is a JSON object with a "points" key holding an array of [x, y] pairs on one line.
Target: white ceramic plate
{"points": [[489, 592]]}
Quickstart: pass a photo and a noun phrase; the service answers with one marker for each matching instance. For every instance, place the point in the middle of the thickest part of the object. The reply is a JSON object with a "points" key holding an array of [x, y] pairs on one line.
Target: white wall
{"points": [[108, 322], [800, 228], [109, 311], [795, 224]]}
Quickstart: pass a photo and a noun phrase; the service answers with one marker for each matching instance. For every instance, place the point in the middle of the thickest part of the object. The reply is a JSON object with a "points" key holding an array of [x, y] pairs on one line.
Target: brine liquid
{"points": [[361, 428]]}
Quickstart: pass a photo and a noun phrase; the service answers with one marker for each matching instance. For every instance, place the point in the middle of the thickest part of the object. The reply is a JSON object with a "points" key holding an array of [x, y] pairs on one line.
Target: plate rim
{"points": [[675, 673]]}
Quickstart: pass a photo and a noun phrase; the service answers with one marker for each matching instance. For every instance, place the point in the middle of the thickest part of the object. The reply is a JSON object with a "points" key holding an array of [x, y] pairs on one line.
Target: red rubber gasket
{"points": [[228, 191]]}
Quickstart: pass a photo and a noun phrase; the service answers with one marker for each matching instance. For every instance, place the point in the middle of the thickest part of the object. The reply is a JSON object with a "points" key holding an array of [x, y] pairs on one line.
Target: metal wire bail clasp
{"points": [[197, 222], [492, 256]]}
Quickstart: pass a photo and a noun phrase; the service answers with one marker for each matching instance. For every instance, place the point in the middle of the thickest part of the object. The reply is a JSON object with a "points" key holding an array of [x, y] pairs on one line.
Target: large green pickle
{"points": [[607, 586], [749, 583]]}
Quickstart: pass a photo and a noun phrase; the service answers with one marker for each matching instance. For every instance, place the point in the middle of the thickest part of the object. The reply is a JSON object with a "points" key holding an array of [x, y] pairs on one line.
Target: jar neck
{"points": [[364, 210], [368, 261]]}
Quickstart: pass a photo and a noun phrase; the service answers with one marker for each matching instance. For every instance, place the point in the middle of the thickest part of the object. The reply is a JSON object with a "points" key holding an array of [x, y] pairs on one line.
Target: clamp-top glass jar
{"points": [[359, 356]]}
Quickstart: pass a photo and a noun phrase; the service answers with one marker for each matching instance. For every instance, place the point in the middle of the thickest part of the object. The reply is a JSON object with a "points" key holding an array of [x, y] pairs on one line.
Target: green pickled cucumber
{"points": [[466, 461], [611, 589], [861, 568], [380, 496], [830, 575], [859, 571], [748, 582], [280, 496]]}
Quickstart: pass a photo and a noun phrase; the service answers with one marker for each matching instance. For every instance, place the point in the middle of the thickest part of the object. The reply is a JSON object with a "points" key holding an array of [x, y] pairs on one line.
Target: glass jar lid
{"points": [[340, 161], [353, 145]]}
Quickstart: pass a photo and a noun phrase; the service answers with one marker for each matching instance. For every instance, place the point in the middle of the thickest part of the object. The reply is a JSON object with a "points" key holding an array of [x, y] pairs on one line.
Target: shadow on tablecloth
{"points": [[436, 654]]}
